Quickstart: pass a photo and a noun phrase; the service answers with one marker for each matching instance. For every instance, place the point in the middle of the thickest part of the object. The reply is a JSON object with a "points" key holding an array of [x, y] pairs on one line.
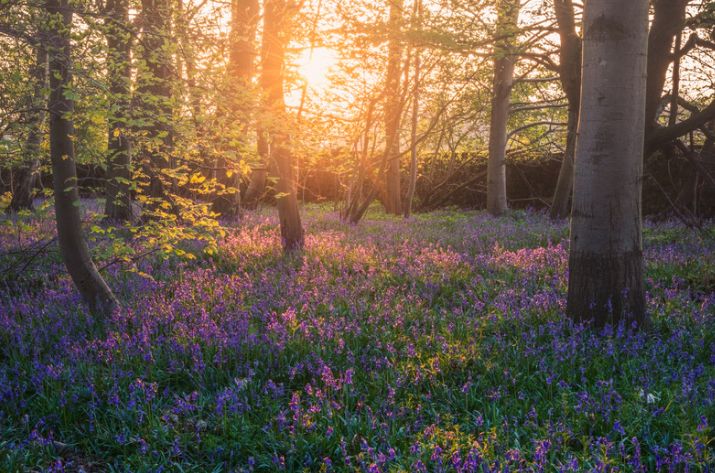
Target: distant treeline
{"points": [[459, 180]]}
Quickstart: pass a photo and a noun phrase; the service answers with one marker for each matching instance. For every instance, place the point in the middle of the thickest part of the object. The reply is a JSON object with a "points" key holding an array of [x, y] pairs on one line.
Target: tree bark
{"points": [[277, 20], [241, 69], [393, 112], [606, 258], [242, 53], [504, 61], [562, 194], [22, 195], [570, 76], [361, 193], [707, 157], [73, 247], [415, 115], [292, 236], [259, 175], [688, 196], [118, 206], [154, 94], [668, 20]]}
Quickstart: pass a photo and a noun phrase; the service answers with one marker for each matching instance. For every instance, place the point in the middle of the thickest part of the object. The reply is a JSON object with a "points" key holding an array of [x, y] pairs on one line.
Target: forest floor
{"points": [[434, 344]]}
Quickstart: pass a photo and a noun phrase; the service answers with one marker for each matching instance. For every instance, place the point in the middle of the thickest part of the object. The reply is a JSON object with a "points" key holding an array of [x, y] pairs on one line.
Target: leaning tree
{"points": [[73, 246]]}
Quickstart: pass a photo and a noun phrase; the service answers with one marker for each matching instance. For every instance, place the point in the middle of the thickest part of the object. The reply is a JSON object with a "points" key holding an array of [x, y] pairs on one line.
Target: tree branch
{"points": [[664, 135]]}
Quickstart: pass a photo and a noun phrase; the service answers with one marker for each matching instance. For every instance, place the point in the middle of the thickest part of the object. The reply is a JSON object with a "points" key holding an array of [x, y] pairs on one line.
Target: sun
{"points": [[315, 65]]}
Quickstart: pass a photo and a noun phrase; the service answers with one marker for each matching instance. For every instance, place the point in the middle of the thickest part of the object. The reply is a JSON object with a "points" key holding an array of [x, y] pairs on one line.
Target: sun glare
{"points": [[314, 66]]}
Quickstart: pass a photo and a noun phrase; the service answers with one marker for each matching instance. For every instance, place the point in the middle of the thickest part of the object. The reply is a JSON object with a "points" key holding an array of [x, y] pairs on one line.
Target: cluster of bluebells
{"points": [[434, 344]]}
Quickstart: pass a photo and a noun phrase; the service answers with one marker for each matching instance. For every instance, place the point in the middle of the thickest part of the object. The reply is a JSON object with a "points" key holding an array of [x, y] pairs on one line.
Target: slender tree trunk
{"points": [[241, 69], [562, 195], [277, 19], [118, 204], [24, 184], [361, 207], [25, 179], [288, 212], [154, 94], [606, 258], [504, 60], [688, 195], [707, 156], [668, 20], [242, 53], [182, 27], [675, 94], [393, 112], [361, 192], [73, 247], [259, 175], [415, 115], [570, 75], [186, 71]]}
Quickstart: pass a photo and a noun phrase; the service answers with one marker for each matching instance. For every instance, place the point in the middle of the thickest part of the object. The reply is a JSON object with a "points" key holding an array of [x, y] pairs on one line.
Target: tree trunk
{"points": [[393, 112], [707, 156], [154, 94], [606, 258], [118, 204], [504, 60], [361, 192], [242, 53], [22, 194], [570, 76], [241, 68], [288, 212], [277, 20], [562, 195], [186, 69], [668, 20], [415, 115], [259, 175], [688, 195], [73, 247]]}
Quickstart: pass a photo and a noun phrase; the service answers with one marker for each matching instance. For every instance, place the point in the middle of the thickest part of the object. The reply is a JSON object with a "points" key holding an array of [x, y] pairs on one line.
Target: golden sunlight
{"points": [[314, 65]]}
